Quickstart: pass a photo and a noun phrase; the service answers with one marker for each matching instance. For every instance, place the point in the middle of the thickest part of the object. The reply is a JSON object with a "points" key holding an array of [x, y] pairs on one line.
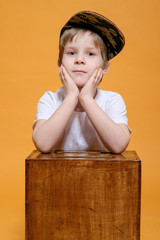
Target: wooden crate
{"points": [[83, 196]]}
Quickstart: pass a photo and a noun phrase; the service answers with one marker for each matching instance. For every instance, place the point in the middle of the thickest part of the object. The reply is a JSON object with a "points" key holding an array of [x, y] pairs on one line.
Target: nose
{"points": [[80, 59]]}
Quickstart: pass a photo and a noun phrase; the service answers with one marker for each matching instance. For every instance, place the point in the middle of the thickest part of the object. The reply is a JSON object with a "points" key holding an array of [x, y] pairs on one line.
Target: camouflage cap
{"points": [[108, 31]]}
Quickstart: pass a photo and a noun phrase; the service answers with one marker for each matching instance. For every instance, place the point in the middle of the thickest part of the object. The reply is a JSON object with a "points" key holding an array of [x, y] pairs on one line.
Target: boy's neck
{"points": [[78, 108]]}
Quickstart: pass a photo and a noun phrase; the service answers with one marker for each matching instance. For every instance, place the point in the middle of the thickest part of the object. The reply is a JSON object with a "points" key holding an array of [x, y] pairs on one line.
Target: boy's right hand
{"points": [[70, 87]]}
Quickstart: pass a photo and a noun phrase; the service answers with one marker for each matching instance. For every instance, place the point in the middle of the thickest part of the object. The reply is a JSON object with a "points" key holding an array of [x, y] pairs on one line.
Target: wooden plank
{"points": [[83, 196]]}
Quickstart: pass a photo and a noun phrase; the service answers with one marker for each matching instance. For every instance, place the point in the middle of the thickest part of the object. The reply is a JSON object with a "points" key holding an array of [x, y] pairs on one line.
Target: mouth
{"points": [[79, 71]]}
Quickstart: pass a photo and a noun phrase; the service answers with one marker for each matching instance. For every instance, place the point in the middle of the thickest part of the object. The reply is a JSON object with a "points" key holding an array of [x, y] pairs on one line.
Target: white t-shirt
{"points": [[79, 133]]}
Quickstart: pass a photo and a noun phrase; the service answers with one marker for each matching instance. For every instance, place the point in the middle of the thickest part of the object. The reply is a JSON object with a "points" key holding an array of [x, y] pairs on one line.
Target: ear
{"points": [[106, 68]]}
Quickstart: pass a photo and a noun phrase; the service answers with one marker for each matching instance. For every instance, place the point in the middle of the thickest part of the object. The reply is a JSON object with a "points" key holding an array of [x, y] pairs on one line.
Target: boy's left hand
{"points": [[89, 89]]}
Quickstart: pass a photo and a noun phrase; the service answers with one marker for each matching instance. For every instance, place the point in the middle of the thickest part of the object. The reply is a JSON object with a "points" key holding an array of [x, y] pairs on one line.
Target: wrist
{"points": [[71, 99], [85, 100]]}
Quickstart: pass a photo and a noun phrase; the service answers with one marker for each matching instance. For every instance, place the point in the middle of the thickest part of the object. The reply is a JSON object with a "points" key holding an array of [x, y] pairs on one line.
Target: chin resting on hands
{"points": [[89, 89], [68, 84]]}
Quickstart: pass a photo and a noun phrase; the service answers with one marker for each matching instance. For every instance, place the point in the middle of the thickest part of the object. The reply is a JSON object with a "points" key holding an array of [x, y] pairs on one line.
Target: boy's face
{"points": [[81, 58]]}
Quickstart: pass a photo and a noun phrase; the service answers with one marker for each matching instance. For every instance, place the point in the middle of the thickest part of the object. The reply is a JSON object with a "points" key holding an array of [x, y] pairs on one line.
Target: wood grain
{"points": [[83, 196]]}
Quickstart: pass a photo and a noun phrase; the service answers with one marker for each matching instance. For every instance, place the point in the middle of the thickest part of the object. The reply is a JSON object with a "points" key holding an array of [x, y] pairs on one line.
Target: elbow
{"points": [[43, 149], [42, 146], [118, 148]]}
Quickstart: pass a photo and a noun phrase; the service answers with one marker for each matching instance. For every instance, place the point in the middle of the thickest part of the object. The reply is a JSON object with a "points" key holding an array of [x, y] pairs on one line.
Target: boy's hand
{"points": [[69, 85], [89, 89]]}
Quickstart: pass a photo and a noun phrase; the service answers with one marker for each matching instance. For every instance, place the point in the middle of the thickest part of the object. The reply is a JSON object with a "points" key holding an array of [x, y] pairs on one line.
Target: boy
{"points": [[80, 116]]}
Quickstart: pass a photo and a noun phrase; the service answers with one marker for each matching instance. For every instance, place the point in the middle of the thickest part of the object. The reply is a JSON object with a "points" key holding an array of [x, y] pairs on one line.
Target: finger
{"points": [[99, 76], [61, 74], [65, 74], [93, 76], [61, 70]]}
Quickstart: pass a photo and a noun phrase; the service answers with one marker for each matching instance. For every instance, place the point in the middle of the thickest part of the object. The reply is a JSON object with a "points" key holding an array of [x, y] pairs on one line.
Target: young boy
{"points": [[80, 116]]}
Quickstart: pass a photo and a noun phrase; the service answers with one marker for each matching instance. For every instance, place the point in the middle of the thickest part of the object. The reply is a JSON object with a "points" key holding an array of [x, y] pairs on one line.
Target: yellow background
{"points": [[29, 33]]}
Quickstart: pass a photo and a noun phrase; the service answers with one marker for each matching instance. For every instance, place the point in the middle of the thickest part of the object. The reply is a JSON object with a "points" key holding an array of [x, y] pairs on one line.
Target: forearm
{"points": [[48, 134], [114, 136]]}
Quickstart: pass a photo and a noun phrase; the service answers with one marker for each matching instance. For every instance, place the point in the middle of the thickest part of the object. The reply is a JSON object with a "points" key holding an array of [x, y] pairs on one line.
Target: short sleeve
{"points": [[46, 106], [116, 109]]}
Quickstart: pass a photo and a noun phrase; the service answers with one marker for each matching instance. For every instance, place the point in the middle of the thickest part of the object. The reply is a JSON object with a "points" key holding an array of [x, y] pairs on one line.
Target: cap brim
{"points": [[108, 31]]}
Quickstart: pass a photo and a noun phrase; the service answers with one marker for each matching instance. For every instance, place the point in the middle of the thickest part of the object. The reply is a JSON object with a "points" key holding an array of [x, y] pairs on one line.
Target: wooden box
{"points": [[83, 196]]}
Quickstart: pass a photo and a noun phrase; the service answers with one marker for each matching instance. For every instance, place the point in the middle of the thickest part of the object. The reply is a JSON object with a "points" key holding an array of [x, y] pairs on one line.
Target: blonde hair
{"points": [[71, 33]]}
